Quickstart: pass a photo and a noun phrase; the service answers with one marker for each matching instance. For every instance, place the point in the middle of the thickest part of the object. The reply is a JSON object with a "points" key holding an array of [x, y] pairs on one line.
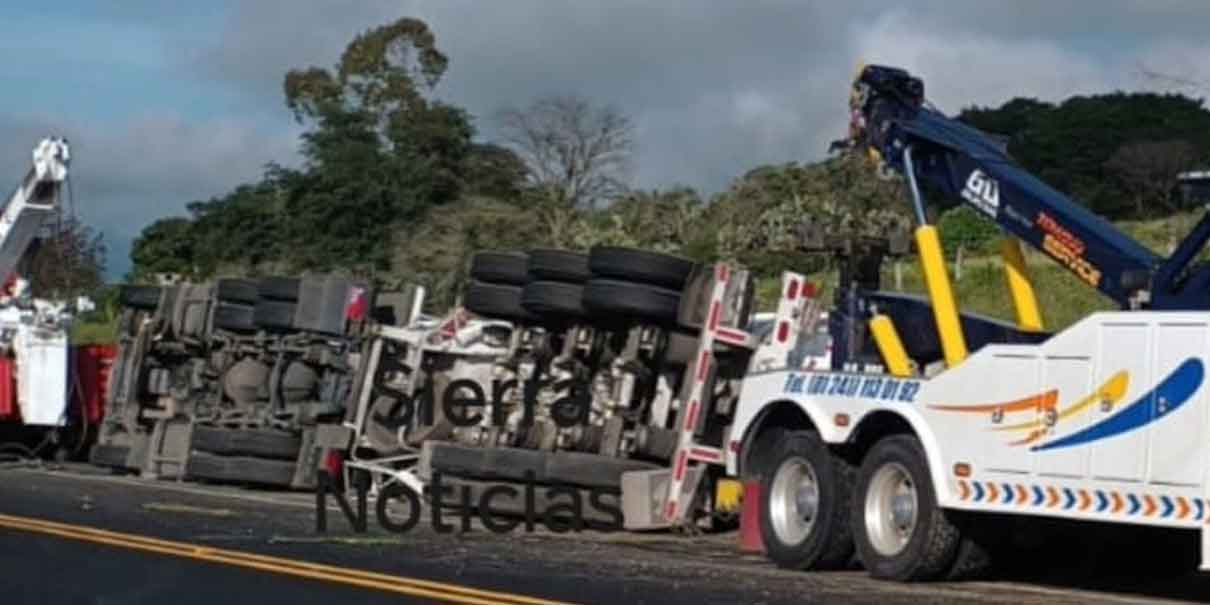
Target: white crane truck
{"points": [[939, 440], [34, 332]]}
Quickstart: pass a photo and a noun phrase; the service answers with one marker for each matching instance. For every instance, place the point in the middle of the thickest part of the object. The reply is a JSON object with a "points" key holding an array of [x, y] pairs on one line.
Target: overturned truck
{"points": [[617, 381], [228, 380]]}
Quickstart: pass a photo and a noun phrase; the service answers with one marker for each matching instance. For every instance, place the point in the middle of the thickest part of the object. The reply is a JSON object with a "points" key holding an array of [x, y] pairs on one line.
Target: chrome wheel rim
{"points": [[794, 500], [891, 509]]}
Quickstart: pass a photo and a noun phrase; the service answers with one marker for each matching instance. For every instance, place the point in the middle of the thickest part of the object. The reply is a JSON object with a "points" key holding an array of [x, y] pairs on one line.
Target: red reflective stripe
{"points": [[731, 336], [715, 308], [705, 454], [670, 510], [703, 365], [783, 331], [792, 290], [691, 416], [723, 272], [681, 461]]}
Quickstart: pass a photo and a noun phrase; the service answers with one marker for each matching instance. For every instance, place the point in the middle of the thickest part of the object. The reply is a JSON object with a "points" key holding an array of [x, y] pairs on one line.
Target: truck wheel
{"points": [[234, 317], [285, 289], [554, 298], [900, 531], [559, 265], [239, 469], [637, 301], [591, 470], [496, 301], [806, 497], [241, 291], [113, 456], [259, 443], [274, 315], [640, 266], [504, 268], [146, 298]]}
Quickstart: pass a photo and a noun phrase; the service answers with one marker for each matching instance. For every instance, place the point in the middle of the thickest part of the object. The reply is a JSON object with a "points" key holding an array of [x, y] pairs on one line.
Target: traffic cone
{"points": [[749, 520]]}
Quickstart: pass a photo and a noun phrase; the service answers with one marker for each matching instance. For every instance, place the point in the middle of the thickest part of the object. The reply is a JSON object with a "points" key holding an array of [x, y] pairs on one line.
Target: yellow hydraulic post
{"points": [[890, 346], [936, 279], [1029, 318], [945, 307]]}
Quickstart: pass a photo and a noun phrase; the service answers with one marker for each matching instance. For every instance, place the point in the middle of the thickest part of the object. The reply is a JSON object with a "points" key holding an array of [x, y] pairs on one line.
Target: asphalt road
{"points": [[220, 538]]}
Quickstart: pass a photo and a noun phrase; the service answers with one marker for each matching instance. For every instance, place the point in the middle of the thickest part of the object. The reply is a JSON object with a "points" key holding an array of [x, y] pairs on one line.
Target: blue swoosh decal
{"points": [[1176, 389]]}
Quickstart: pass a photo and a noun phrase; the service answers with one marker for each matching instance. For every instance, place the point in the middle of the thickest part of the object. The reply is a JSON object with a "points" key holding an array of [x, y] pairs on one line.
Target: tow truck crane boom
{"points": [[891, 121], [36, 198]]}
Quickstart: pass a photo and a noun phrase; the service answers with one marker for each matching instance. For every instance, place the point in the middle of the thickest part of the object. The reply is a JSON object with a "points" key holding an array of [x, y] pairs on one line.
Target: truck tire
{"points": [[502, 268], [259, 443], [274, 315], [241, 291], [239, 469], [591, 470], [636, 301], [488, 462], [640, 266], [553, 298], [285, 289], [496, 301], [894, 471], [558, 265], [806, 496], [112, 456], [234, 317], [145, 298]]}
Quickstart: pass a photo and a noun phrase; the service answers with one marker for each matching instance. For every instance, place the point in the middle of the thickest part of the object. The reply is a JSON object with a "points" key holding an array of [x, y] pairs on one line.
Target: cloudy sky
{"points": [[171, 102]]}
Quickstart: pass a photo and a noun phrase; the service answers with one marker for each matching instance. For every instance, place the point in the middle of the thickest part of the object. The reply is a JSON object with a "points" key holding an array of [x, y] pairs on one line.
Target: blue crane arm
{"points": [[889, 116]]}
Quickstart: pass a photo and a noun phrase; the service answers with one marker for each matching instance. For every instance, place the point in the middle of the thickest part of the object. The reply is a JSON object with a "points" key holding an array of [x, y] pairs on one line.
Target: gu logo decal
{"points": [[1173, 391], [983, 192]]}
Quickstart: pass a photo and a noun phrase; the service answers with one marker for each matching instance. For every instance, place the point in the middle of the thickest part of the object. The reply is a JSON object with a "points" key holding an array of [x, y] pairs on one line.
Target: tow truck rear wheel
{"points": [[900, 531], [806, 504]]}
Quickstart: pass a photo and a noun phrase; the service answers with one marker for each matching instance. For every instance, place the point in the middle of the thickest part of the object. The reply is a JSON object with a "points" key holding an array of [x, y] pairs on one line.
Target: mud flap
{"points": [[644, 494], [1205, 566]]}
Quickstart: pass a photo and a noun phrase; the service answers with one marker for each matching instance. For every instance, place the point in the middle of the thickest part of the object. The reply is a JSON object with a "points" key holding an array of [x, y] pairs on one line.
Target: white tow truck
{"points": [[939, 440]]}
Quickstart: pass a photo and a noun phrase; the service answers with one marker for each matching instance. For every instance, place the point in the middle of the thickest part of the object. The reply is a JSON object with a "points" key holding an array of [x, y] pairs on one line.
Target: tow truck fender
{"points": [[840, 421]]}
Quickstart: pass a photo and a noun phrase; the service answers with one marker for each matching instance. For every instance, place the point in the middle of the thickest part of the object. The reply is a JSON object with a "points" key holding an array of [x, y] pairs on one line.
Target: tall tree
{"points": [[578, 154], [380, 150]]}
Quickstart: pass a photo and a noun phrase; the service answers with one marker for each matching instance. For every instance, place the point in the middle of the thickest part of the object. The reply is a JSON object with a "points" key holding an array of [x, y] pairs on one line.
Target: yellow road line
{"points": [[315, 571]]}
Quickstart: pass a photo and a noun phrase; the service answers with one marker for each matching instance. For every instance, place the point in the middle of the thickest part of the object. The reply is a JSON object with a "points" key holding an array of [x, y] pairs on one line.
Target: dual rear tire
{"points": [[819, 510]]}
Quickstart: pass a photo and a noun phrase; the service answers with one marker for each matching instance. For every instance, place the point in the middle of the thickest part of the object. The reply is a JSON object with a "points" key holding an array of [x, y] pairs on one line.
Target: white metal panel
{"points": [[1016, 379], [1071, 377], [1179, 442], [42, 376], [1124, 346]]}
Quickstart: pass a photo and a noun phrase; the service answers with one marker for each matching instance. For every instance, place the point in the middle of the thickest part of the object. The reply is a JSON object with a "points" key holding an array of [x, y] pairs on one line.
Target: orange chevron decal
{"points": [[1118, 502], [1054, 497], [1030, 438], [1182, 507], [964, 492], [1085, 500], [993, 494], [1020, 494], [1043, 401], [1149, 509]]}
